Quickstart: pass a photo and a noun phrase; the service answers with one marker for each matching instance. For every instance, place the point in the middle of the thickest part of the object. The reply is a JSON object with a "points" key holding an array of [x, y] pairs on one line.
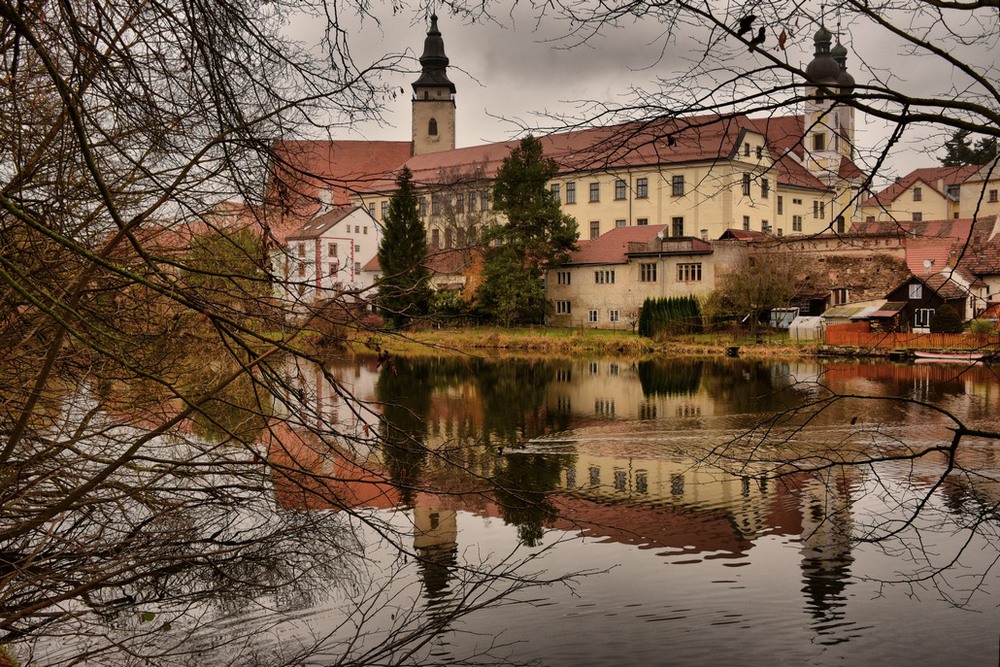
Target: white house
{"points": [[323, 258]]}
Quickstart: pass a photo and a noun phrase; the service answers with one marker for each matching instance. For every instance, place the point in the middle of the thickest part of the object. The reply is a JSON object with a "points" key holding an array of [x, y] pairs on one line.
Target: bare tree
{"points": [[157, 444]]}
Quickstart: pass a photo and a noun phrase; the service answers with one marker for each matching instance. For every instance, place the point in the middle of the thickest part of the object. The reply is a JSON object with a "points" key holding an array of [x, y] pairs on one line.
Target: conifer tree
{"points": [[404, 289], [536, 233]]}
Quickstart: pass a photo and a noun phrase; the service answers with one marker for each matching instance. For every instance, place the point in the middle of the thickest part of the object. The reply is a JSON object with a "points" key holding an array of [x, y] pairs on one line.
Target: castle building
{"points": [[699, 175]]}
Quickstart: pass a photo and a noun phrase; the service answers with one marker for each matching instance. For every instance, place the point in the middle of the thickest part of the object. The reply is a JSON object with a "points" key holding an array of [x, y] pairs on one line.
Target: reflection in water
{"points": [[673, 470]]}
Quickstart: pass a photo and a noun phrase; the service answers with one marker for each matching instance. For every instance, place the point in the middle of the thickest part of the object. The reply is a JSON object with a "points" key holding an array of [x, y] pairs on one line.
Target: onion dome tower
{"points": [[433, 98], [829, 126]]}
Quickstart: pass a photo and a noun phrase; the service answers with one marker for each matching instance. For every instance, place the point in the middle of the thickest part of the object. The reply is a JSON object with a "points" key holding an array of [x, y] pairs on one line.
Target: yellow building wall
{"points": [[932, 205]]}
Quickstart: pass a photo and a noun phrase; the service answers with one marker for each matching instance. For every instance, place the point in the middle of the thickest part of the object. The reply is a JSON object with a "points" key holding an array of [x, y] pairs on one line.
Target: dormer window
{"points": [[432, 127]]}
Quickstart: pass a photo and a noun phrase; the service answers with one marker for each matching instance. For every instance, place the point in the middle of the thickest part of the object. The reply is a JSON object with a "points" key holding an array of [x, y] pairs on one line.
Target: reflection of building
{"points": [[826, 545]]}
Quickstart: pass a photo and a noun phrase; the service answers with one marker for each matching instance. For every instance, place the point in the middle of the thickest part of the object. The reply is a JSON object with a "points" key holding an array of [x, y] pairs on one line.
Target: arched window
{"points": [[432, 127]]}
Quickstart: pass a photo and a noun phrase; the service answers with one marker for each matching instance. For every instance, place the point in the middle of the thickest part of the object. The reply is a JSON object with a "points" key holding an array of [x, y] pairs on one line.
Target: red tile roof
{"points": [[443, 261], [637, 144], [937, 178], [610, 248]]}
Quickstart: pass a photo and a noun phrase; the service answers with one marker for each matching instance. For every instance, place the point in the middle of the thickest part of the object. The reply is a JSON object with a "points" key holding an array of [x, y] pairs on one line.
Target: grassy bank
{"points": [[580, 342]]}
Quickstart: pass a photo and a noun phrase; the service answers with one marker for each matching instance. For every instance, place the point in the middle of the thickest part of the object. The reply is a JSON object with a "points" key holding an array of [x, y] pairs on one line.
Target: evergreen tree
{"points": [[536, 235], [404, 289], [959, 150]]}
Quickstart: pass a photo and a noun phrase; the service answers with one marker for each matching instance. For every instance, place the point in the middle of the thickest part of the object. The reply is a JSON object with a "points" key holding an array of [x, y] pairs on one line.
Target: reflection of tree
{"points": [[405, 394], [513, 396], [522, 488], [678, 378]]}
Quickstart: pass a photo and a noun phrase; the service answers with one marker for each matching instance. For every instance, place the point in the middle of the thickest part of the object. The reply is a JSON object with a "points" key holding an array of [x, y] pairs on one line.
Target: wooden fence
{"points": [[849, 336]]}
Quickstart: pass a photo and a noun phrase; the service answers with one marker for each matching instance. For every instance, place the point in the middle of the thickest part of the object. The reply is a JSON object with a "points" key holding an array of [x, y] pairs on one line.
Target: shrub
{"points": [[981, 327], [946, 320]]}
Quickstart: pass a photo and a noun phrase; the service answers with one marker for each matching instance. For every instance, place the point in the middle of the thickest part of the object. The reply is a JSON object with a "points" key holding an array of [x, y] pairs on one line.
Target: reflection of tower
{"points": [[826, 547], [435, 540]]}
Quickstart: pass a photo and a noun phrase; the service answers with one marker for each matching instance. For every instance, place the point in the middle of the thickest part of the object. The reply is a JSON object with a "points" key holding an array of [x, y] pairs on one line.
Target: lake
{"points": [[610, 511]]}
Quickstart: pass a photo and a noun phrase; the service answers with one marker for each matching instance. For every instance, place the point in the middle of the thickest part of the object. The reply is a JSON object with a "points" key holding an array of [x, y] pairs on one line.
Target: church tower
{"points": [[829, 126], [433, 98]]}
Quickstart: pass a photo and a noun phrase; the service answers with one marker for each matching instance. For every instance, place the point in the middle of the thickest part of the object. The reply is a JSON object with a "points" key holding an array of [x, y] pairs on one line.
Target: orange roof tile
{"points": [[937, 178], [610, 248]]}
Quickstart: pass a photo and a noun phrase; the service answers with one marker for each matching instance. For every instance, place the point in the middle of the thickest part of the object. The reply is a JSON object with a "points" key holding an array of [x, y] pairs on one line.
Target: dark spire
{"points": [[434, 63], [823, 68]]}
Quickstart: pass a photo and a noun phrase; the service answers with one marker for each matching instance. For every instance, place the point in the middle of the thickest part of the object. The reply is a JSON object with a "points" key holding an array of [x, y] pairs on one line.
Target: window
{"points": [[331, 249], [642, 222], [423, 206], [357, 267], [563, 308], [357, 248], [357, 229], [841, 295], [448, 237], [953, 191], [460, 202], [677, 227], [760, 152], [591, 316], [302, 270], [436, 238], [364, 230], [432, 127], [765, 226], [922, 317], [621, 223], [796, 223], [765, 188], [472, 202], [612, 315], [781, 204], [841, 224], [333, 268], [302, 250], [620, 189], [746, 185], [797, 202], [484, 200], [563, 277], [554, 188], [595, 229], [916, 291], [677, 186], [819, 210], [917, 216], [870, 218], [435, 205], [918, 194], [647, 273], [819, 141], [781, 232], [689, 273], [571, 193], [993, 196], [595, 192], [641, 188], [746, 150], [371, 209], [746, 223], [604, 277], [385, 209], [704, 235]]}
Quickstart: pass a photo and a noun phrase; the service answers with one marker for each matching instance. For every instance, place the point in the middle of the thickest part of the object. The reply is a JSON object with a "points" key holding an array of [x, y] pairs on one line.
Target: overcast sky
{"points": [[512, 71]]}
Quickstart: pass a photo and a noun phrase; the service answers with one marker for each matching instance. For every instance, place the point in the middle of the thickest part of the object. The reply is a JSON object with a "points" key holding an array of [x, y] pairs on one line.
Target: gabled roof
{"points": [[987, 172], [321, 224], [929, 176], [440, 261], [939, 283], [660, 141], [940, 229], [743, 235], [611, 247]]}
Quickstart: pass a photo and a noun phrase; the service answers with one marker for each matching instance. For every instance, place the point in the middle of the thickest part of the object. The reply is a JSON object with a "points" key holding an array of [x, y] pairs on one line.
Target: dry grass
{"points": [[575, 342]]}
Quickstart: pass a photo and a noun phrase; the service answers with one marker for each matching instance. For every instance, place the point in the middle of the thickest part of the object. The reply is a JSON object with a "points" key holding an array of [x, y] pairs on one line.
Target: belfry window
{"points": [[432, 127]]}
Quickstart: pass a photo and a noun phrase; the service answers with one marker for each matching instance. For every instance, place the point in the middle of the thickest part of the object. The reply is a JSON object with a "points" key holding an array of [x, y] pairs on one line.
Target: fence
{"points": [[845, 335]]}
